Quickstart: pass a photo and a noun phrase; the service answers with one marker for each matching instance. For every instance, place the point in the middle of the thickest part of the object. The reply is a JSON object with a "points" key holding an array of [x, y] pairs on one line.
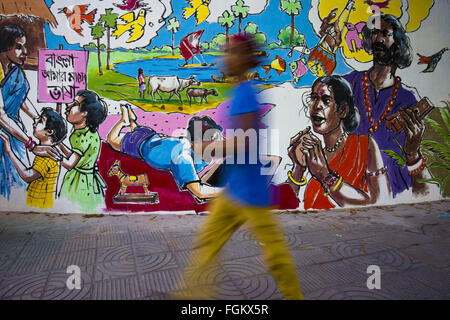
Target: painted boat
{"points": [[197, 65]]}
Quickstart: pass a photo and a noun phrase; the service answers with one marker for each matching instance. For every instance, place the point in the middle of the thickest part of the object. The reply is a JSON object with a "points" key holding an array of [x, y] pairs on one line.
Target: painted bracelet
{"points": [[330, 180], [411, 164], [302, 181], [416, 165], [31, 146], [337, 184], [27, 145], [419, 169], [376, 173]]}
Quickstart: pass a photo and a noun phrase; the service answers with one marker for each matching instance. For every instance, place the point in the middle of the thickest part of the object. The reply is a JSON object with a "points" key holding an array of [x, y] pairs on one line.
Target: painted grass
{"points": [[117, 86]]}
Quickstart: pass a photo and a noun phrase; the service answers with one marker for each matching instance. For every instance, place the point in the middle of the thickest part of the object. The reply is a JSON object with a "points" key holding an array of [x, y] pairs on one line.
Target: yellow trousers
{"points": [[224, 219]]}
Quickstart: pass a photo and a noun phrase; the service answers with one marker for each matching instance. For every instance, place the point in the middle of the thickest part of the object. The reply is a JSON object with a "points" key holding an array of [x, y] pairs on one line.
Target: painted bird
{"points": [[381, 5], [198, 8], [130, 5], [78, 16], [432, 61], [278, 64], [135, 25]]}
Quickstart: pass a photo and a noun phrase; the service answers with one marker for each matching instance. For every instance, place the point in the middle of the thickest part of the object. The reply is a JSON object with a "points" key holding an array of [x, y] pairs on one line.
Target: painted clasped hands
{"points": [[315, 157]]}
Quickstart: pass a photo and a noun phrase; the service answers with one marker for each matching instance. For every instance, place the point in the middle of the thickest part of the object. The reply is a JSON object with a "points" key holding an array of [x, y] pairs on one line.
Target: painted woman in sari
{"points": [[349, 170], [13, 98]]}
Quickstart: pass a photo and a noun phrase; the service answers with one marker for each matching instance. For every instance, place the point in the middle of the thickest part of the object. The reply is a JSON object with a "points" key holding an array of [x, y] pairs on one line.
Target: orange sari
{"points": [[350, 163]]}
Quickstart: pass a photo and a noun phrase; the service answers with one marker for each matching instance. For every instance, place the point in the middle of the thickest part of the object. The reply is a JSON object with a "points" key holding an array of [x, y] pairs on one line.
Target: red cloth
{"points": [[350, 163], [141, 78]]}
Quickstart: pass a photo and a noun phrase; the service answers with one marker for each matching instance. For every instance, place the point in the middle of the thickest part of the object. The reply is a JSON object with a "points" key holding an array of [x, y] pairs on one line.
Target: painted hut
{"points": [[31, 16]]}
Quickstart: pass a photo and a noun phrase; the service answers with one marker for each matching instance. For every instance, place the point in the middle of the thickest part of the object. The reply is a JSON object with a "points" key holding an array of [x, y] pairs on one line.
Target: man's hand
{"points": [[47, 151], [333, 40], [414, 129], [326, 22]]}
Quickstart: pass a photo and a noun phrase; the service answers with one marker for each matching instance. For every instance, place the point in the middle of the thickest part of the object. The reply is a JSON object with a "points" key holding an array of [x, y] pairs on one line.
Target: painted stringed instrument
{"points": [[395, 121]]}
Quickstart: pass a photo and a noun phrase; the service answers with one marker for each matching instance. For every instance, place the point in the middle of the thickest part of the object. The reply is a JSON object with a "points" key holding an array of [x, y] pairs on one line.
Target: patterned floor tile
{"points": [[162, 282], [115, 269], [244, 268], [125, 288], [113, 240], [180, 243], [433, 277], [30, 285], [156, 262], [401, 286], [31, 265], [65, 294], [337, 273], [6, 260], [262, 287], [122, 252], [79, 243], [150, 247], [352, 248], [79, 258], [388, 261]]}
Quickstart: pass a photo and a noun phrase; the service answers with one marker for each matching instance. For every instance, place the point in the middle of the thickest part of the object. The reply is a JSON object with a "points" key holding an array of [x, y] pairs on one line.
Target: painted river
{"points": [[169, 67]]}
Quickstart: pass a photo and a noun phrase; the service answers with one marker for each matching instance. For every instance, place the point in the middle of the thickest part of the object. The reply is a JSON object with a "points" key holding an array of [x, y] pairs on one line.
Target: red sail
{"points": [[189, 45]]}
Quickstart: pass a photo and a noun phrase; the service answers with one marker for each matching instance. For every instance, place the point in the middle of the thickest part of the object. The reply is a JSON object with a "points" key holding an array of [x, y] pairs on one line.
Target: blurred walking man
{"points": [[246, 197]]}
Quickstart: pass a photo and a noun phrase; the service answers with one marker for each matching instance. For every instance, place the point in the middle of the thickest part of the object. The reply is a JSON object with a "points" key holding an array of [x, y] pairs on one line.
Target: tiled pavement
{"points": [[142, 256]]}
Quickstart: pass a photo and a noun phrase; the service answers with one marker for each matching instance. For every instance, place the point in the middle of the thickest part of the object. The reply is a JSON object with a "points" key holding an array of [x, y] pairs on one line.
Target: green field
{"points": [[117, 86]]}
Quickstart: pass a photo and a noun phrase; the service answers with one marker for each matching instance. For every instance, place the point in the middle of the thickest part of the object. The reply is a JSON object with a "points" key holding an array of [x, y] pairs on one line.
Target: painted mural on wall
{"points": [[99, 102]]}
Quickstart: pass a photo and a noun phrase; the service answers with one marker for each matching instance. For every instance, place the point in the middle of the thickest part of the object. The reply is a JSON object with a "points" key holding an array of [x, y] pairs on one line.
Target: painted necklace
{"points": [[338, 142], [387, 109]]}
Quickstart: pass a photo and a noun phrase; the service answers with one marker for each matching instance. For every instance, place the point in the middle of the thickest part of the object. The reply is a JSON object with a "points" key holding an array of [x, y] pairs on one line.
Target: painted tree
{"points": [[227, 21], [217, 42], [173, 26], [110, 22], [240, 11], [97, 32], [285, 34], [292, 8], [252, 28]]}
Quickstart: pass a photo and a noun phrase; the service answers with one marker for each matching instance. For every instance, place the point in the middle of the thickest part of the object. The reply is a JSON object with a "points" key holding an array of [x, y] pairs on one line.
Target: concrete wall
{"points": [[117, 40]]}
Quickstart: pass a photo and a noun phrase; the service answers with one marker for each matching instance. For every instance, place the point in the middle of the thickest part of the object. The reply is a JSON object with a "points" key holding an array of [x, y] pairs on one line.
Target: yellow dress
{"points": [[41, 192]]}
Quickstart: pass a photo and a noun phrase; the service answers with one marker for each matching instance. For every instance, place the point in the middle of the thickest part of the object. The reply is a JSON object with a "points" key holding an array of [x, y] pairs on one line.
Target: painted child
{"points": [[141, 80], [82, 183], [49, 128]]}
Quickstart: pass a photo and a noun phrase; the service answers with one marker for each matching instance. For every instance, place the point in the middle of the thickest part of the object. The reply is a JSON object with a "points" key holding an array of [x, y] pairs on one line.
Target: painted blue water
{"points": [[169, 67]]}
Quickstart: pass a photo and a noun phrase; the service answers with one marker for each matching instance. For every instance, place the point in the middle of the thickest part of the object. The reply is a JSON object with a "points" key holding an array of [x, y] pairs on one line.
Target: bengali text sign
{"points": [[62, 73]]}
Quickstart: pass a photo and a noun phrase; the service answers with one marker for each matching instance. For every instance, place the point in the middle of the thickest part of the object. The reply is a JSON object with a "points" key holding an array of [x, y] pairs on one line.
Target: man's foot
{"points": [[131, 115], [125, 115]]}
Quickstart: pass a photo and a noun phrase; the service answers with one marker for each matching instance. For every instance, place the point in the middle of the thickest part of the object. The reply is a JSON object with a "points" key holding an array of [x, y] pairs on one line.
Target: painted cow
{"points": [[169, 84], [201, 93]]}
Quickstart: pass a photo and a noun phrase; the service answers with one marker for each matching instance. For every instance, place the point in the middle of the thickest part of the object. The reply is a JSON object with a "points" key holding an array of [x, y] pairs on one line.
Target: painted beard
{"points": [[383, 55]]}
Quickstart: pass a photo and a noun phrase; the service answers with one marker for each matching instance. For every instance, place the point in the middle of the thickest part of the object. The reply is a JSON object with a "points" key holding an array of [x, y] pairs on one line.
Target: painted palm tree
{"points": [[227, 21], [174, 26], [240, 11], [110, 22], [97, 32], [292, 8]]}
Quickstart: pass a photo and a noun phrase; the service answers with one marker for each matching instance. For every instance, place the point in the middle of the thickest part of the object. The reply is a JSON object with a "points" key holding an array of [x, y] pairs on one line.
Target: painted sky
{"points": [[211, 29]]}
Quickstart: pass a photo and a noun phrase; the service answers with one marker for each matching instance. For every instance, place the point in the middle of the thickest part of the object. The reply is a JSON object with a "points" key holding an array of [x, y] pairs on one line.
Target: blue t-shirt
{"points": [[244, 182], [175, 155]]}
